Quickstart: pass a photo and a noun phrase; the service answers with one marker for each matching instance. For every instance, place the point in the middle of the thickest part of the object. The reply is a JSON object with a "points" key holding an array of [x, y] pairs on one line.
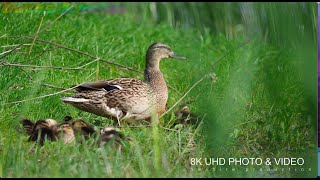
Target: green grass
{"points": [[262, 104]]}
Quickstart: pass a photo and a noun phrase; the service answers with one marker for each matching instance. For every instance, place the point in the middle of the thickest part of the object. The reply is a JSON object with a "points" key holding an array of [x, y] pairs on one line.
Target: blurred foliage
{"points": [[279, 23], [265, 96]]}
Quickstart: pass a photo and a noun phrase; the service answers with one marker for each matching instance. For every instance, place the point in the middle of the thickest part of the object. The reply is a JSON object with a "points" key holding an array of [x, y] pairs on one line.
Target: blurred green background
{"points": [[259, 99]]}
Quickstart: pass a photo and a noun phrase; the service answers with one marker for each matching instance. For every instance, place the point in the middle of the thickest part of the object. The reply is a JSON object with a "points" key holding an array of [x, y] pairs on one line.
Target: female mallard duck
{"points": [[125, 98], [40, 130]]}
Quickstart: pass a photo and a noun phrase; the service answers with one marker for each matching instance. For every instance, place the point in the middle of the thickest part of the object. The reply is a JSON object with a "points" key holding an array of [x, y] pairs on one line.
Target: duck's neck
{"points": [[154, 78]]}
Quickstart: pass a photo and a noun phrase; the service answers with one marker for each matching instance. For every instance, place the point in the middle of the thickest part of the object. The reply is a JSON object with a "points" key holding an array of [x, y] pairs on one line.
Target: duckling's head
{"points": [[65, 132], [158, 51], [183, 110], [51, 122], [65, 128], [80, 124], [108, 133]]}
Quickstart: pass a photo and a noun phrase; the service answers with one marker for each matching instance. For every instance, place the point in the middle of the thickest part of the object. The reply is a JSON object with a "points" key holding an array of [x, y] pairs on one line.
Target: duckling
{"points": [[40, 130], [128, 99], [111, 134], [79, 126], [84, 129], [64, 131], [185, 116]]}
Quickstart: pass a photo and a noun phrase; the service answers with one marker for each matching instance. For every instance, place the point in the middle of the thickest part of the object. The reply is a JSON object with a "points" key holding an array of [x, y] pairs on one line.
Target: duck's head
{"points": [[64, 132], [158, 51], [109, 132], [183, 109], [51, 122], [64, 128], [80, 124]]}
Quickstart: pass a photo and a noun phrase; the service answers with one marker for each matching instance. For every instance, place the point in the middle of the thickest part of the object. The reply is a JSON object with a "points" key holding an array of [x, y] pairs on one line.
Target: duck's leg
{"points": [[118, 119]]}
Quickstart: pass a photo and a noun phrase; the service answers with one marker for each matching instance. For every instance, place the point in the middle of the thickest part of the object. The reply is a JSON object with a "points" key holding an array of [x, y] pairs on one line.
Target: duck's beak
{"points": [[177, 56]]}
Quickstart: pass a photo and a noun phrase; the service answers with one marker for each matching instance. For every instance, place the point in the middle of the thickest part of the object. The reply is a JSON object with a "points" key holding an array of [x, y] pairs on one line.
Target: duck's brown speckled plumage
{"points": [[126, 98]]}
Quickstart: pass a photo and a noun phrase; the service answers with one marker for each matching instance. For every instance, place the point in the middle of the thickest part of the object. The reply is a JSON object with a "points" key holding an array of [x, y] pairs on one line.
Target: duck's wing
{"points": [[109, 85], [122, 99], [119, 98]]}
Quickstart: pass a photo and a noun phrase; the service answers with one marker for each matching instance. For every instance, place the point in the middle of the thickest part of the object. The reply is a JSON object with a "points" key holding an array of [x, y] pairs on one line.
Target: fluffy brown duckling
{"points": [[40, 130], [84, 129], [80, 127], [112, 135], [64, 132], [185, 116]]}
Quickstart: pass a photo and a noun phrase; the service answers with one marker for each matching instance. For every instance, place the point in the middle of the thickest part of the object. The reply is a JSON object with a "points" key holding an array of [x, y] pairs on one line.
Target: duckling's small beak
{"points": [[177, 56]]}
